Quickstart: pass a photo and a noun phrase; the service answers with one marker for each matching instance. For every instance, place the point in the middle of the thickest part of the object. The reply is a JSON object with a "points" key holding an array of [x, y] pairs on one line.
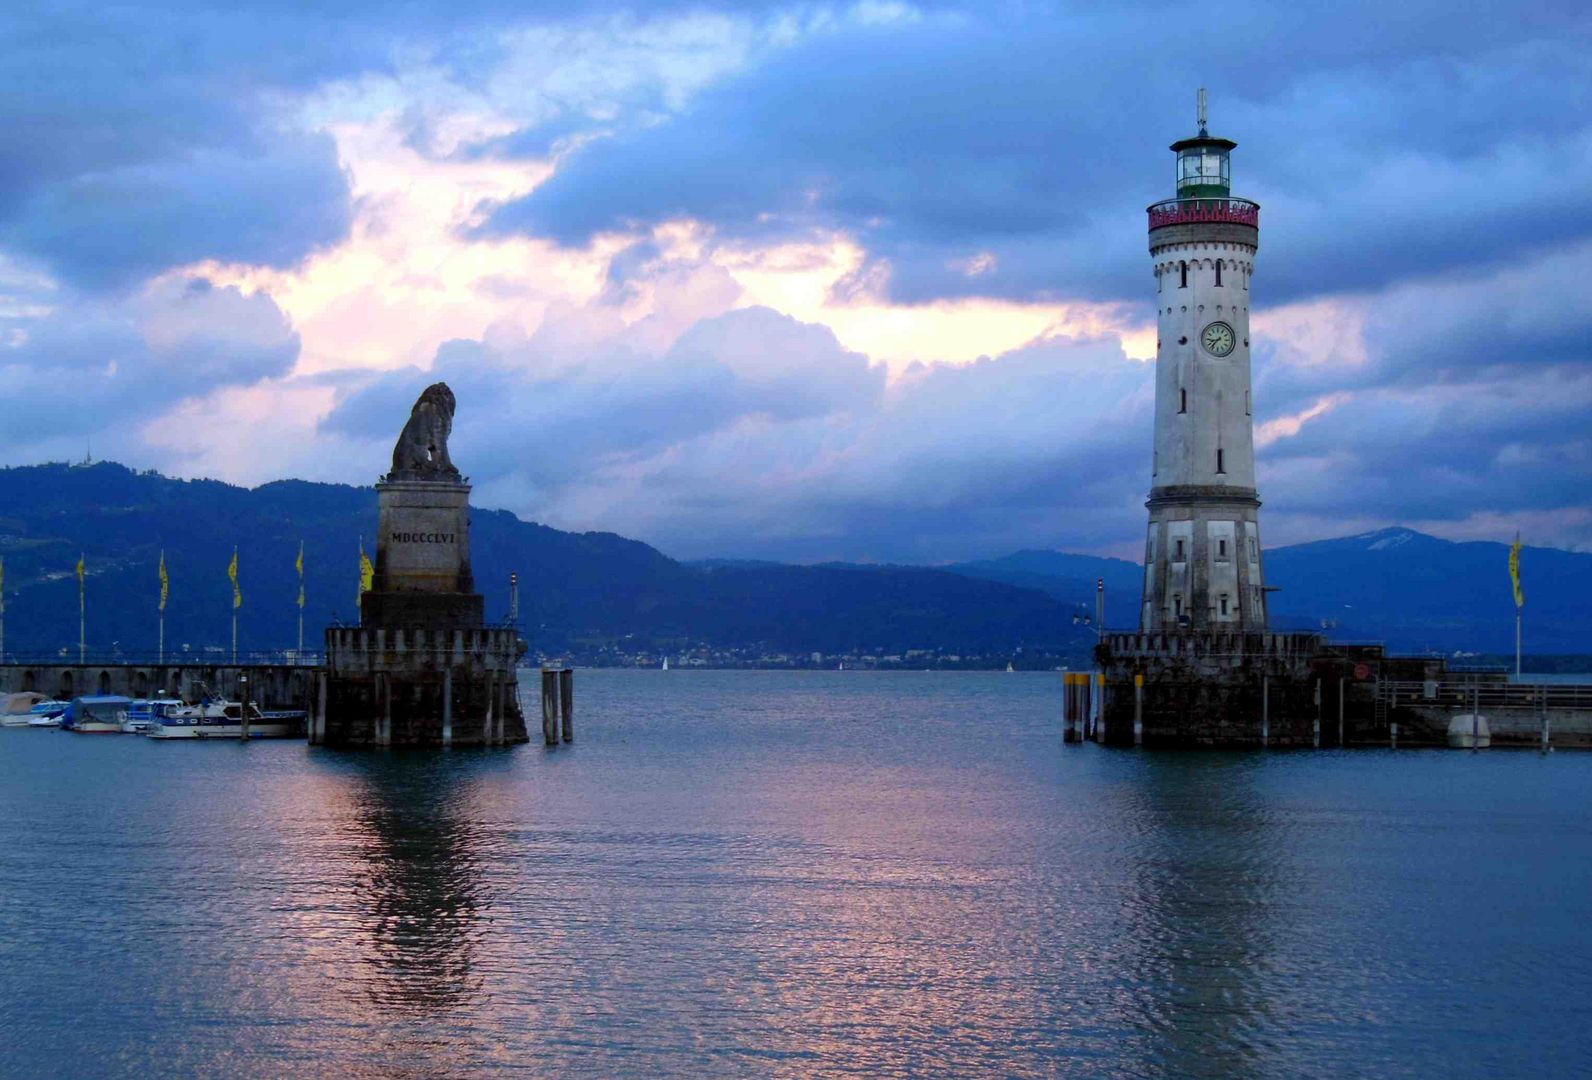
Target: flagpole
{"points": [[161, 608]]}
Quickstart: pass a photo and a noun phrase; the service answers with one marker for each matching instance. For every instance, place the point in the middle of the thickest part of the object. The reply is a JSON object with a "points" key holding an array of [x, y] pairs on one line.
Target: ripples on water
{"points": [[768, 874]]}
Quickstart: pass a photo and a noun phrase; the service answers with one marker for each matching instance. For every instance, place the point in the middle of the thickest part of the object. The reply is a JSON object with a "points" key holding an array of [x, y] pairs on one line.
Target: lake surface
{"points": [[789, 875]]}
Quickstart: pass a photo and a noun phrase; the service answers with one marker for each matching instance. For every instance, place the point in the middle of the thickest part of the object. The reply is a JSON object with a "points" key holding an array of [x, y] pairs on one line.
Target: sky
{"points": [[862, 281]]}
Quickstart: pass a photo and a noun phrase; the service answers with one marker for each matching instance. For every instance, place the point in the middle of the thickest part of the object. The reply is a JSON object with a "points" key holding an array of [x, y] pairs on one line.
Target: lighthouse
{"points": [[1202, 558]]}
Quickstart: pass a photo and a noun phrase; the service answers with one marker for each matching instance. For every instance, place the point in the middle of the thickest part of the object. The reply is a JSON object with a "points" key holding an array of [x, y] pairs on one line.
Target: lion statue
{"points": [[422, 450]]}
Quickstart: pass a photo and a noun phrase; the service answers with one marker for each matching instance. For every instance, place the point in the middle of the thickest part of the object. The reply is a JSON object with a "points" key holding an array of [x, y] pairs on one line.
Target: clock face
{"points": [[1218, 339]]}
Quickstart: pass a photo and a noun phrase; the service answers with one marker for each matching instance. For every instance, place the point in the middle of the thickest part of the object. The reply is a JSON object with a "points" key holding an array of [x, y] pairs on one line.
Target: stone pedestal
{"points": [[422, 669], [410, 686]]}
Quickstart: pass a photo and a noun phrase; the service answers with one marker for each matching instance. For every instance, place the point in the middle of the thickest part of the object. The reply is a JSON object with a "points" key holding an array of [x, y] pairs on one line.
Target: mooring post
{"points": [[1315, 732], [566, 702], [1088, 708], [1138, 710], [550, 707], [447, 707], [1542, 708], [1100, 714], [1393, 734], [1475, 716], [1069, 726], [1265, 710], [1340, 711], [243, 706]]}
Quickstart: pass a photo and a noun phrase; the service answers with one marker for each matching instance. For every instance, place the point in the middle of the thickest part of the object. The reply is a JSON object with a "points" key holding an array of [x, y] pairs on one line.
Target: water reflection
{"points": [[1210, 861], [418, 880]]}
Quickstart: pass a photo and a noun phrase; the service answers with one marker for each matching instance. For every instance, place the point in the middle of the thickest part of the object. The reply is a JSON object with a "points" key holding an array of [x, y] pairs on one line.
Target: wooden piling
{"points": [[1265, 710], [566, 702], [550, 707], [1340, 712], [1475, 717], [1393, 734], [447, 707], [1138, 710], [1315, 731], [1070, 708]]}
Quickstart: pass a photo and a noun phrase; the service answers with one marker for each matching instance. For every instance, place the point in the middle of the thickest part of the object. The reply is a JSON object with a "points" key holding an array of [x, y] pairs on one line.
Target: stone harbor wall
{"points": [[418, 687], [1190, 688], [271, 686]]}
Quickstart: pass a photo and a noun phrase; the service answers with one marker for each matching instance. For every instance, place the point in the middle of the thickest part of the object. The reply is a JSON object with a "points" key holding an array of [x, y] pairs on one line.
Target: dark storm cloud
{"points": [[1385, 140]]}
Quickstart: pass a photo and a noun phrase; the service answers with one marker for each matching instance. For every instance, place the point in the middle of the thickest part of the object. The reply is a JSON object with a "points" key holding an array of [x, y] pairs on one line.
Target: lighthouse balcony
{"points": [[1225, 210]]}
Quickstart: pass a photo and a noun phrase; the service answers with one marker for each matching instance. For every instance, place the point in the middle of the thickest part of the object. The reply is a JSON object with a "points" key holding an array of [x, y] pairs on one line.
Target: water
{"points": [[789, 875]]}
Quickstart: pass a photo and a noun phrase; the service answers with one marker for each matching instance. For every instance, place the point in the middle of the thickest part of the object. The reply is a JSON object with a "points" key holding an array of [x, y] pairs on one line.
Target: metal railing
{"points": [[1193, 211], [1487, 694], [120, 658]]}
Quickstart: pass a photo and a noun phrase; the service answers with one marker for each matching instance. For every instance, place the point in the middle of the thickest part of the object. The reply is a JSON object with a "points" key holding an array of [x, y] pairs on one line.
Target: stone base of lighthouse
{"points": [[1216, 689], [1203, 561]]}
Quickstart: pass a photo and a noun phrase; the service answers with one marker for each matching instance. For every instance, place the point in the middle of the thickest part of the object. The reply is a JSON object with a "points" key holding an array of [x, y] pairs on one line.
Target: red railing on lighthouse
{"points": [[1190, 211]]}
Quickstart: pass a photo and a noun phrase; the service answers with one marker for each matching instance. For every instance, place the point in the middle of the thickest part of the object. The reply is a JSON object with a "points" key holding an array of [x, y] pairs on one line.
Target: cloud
{"points": [[92, 368], [1383, 141]]}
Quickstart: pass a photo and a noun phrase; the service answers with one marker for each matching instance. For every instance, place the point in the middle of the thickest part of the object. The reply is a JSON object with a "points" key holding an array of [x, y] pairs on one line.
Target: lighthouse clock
{"points": [[1202, 564]]}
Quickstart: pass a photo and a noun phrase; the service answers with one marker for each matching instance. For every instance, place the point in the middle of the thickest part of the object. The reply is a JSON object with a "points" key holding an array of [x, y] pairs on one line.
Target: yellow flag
{"points": [[1514, 573], [300, 565], [165, 582], [232, 572], [80, 570], [367, 572]]}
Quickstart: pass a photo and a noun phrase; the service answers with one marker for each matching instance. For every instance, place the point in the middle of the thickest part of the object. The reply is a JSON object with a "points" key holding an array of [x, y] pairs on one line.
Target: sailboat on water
{"points": [[665, 664]]}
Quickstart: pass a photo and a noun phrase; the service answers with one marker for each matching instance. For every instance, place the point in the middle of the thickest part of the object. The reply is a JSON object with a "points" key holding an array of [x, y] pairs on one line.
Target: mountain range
{"points": [[596, 593]]}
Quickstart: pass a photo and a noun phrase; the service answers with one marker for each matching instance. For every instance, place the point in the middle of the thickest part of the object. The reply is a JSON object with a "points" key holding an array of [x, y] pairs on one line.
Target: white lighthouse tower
{"points": [[1202, 559]]}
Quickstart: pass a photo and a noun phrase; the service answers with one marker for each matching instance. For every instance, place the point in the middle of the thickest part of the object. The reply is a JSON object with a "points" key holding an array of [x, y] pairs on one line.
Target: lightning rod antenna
{"points": [[1202, 110]]}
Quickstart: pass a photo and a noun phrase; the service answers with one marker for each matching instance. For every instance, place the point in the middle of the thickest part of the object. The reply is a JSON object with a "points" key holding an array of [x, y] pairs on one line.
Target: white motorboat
{"points": [[141, 713], [17, 709], [46, 714], [221, 720]]}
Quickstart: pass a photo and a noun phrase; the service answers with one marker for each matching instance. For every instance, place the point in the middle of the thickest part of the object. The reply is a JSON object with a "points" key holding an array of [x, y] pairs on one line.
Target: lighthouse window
{"points": [[1182, 401], [1183, 269], [1221, 462], [1218, 273], [1246, 399], [1224, 603], [1221, 549], [1177, 605], [1251, 549], [1179, 555]]}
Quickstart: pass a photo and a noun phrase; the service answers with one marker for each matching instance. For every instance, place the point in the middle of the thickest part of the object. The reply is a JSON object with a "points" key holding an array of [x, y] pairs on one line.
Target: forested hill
{"points": [[578, 589], [1412, 591]]}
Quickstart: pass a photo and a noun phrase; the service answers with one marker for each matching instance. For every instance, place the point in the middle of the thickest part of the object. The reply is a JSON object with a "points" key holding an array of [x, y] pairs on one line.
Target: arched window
{"points": [[1218, 273], [1224, 603], [1182, 401], [1182, 268]]}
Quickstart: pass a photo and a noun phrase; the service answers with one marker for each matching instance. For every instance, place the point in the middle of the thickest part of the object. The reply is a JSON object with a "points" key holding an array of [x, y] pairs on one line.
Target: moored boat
{"points": [[141, 713], [221, 720], [100, 714], [17, 709], [47, 714]]}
